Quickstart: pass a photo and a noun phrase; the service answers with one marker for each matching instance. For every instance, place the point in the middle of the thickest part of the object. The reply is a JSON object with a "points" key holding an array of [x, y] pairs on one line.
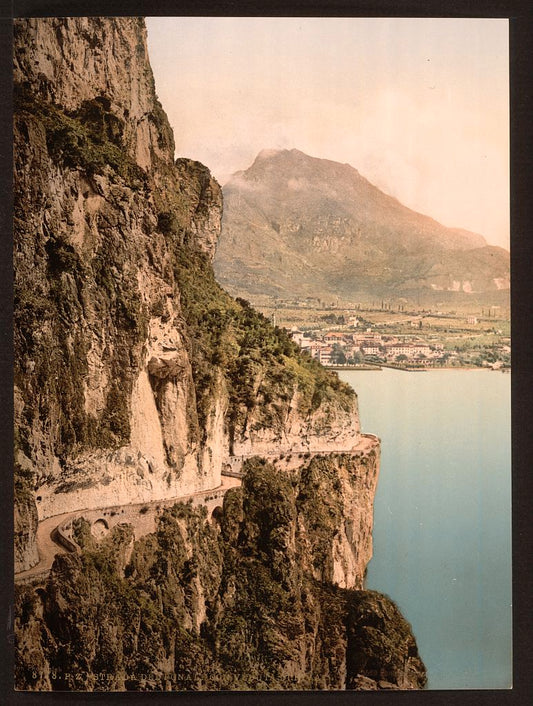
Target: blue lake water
{"points": [[442, 516]]}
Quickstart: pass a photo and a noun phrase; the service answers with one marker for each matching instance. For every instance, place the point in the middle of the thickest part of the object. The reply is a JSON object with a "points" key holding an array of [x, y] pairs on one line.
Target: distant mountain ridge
{"points": [[297, 225]]}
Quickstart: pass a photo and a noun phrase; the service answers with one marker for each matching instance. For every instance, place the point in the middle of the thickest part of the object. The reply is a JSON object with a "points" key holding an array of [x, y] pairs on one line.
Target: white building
{"points": [[370, 349], [411, 350], [334, 337], [297, 336], [324, 355]]}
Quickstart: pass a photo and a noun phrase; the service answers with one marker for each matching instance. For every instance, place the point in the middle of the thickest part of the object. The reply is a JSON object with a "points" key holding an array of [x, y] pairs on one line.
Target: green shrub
{"points": [[231, 337], [89, 138]]}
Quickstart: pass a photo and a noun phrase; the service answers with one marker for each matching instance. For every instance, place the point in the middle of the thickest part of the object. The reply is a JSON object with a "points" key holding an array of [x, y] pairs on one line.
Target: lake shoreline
{"points": [[381, 366]]}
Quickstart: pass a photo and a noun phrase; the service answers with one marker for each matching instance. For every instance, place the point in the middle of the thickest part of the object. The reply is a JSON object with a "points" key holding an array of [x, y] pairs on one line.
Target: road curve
{"points": [[48, 547]]}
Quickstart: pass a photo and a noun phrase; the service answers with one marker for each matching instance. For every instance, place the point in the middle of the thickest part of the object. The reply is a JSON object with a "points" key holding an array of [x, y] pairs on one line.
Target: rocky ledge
{"points": [[242, 600]]}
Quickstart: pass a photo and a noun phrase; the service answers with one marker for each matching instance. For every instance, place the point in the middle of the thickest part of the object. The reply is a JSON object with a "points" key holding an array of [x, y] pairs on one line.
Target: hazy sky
{"points": [[419, 106]]}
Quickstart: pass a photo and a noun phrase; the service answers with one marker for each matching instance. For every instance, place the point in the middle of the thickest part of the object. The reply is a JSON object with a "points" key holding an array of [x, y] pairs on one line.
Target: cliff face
{"points": [[67, 62], [244, 601], [138, 379], [136, 375]]}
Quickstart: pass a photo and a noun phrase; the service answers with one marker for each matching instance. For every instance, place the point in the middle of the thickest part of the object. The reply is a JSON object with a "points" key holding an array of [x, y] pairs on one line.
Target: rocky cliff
{"points": [[244, 601], [137, 379], [136, 375]]}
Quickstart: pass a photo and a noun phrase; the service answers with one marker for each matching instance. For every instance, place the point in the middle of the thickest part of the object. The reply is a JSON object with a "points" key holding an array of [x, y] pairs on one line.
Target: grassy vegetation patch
{"points": [[89, 138], [261, 365]]}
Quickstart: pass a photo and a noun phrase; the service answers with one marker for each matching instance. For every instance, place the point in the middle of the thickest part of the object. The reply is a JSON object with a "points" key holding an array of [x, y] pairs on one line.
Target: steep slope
{"points": [[243, 602], [137, 379], [301, 226], [136, 374]]}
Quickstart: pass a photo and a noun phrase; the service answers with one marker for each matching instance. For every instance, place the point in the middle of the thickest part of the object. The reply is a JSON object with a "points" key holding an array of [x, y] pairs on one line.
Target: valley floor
{"points": [[363, 335]]}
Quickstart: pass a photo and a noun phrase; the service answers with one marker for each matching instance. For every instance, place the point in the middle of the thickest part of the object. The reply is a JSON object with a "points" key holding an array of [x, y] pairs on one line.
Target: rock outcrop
{"points": [[136, 375], [25, 521], [244, 601]]}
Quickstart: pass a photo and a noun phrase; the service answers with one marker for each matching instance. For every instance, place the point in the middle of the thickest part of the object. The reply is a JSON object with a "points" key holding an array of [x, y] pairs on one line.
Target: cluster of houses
{"points": [[339, 348]]}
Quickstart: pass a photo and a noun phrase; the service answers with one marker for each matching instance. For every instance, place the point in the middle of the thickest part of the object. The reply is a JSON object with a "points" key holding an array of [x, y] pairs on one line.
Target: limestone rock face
{"points": [[26, 553], [330, 426], [103, 374], [69, 61], [136, 374], [376, 627], [205, 204], [243, 600]]}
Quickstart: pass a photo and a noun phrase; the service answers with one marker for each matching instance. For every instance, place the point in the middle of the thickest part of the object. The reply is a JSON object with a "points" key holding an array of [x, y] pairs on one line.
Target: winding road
{"points": [[47, 530]]}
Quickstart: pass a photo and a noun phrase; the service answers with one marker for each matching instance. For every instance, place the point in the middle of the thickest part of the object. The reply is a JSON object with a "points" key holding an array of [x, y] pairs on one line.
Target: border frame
{"points": [[520, 15]]}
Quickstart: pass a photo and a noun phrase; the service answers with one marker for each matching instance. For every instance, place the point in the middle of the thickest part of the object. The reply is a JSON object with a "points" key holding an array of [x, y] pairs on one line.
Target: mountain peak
{"points": [[298, 162], [268, 153], [275, 153], [297, 224]]}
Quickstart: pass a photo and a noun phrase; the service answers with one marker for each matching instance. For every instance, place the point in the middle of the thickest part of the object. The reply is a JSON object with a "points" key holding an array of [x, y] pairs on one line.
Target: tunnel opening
{"points": [[99, 528], [216, 515]]}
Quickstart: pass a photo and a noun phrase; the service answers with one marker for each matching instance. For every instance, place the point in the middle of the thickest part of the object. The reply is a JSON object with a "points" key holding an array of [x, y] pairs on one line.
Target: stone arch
{"points": [[217, 513], [99, 528]]}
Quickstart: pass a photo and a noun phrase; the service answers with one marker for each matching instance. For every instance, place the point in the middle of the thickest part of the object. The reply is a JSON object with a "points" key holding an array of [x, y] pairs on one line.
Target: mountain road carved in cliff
{"points": [[54, 534]]}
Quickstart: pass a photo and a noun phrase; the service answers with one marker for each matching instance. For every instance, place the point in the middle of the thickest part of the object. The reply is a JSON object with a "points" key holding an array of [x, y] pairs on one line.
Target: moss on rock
{"points": [[194, 607]]}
